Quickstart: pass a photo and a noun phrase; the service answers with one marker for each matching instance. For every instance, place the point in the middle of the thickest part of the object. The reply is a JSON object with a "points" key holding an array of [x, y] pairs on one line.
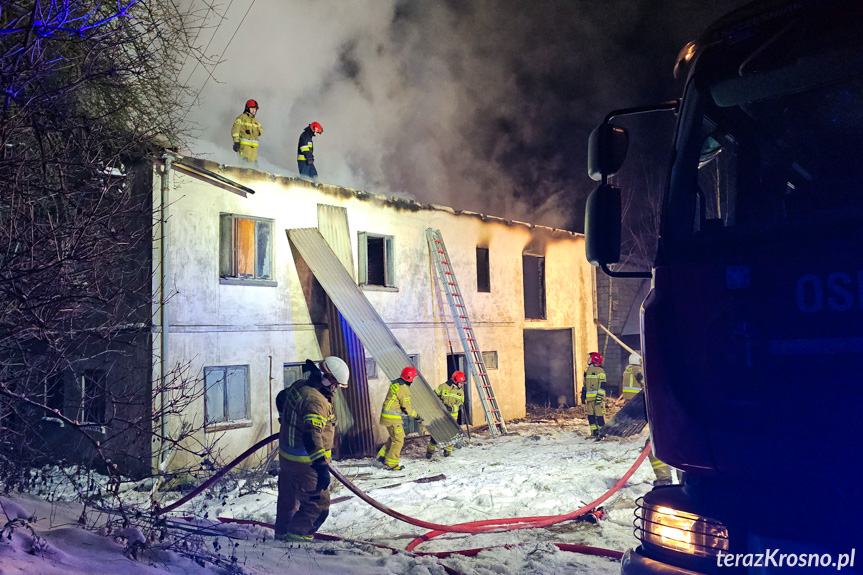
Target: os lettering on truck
{"points": [[836, 292]]}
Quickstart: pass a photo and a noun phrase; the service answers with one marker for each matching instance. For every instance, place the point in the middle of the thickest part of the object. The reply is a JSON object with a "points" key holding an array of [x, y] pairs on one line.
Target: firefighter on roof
{"points": [[397, 401], [592, 394], [305, 442], [245, 133], [452, 395], [306, 152]]}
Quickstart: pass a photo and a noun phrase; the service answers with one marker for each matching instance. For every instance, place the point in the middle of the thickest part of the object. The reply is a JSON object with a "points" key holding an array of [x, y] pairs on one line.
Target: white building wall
{"points": [[212, 324]]}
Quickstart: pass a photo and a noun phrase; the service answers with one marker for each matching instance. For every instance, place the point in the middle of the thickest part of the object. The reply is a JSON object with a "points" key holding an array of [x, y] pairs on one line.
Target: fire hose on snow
{"points": [[486, 526]]}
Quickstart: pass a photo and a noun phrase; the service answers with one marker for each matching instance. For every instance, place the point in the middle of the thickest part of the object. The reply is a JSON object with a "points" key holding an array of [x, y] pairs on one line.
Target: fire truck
{"points": [[752, 332]]}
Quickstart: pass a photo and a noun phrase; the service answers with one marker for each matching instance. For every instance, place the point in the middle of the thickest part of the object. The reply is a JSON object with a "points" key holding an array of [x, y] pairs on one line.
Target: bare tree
{"points": [[90, 95]]}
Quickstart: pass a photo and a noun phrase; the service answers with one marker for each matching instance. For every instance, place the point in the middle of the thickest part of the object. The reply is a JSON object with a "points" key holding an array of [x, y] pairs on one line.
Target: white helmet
{"points": [[338, 368], [634, 358]]}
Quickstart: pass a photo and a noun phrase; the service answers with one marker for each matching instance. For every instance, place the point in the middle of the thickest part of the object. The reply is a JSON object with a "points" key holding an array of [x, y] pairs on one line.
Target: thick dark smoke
{"points": [[482, 105]]}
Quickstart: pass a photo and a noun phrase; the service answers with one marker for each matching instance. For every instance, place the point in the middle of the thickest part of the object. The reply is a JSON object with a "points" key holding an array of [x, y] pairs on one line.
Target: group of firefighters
{"points": [[308, 427], [307, 432], [247, 130]]}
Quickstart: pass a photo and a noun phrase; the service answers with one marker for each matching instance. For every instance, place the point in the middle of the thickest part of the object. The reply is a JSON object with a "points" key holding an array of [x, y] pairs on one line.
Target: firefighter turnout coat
{"points": [[633, 381], [594, 395], [307, 434], [305, 152], [397, 401], [246, 131], [452, 396]]}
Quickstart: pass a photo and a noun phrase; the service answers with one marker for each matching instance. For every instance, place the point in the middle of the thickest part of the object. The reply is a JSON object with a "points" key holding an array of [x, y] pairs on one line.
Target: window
{"points": [[371, 368], [533, 272], [489, 358], [415, 360], [227, 393], [291, 372], [245, 248], [377, 260], [94, 398], [483, 277]]}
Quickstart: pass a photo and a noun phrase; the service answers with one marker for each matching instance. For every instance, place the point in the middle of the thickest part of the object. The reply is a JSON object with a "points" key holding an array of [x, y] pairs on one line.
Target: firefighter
{"points": [[633, 379], [397, 401], [245, 133], [305, 441], [633, 382], [592, 394], [305, 151], [452, 395]]}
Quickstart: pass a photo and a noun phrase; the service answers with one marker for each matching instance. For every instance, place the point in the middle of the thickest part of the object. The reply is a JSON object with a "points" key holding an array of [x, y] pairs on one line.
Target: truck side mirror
{"points": [[606, 150], [602, 225]]}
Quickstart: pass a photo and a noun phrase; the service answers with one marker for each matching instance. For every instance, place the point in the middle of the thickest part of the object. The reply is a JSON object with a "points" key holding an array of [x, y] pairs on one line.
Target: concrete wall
{"points": [[213, 324]]}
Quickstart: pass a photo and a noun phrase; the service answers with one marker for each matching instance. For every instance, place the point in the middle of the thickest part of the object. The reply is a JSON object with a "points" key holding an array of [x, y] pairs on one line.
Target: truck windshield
{"points": [[764, 162]]}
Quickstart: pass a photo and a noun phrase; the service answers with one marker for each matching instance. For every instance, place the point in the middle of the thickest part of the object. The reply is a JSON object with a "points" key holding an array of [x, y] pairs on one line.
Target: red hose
{"points": [[531, 522], [490, 525], [218, 475]]}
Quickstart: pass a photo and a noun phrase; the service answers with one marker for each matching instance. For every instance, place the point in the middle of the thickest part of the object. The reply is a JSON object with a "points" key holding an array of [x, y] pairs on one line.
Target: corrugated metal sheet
{"points": [[371, 329], [356, 424], [333, 225]]}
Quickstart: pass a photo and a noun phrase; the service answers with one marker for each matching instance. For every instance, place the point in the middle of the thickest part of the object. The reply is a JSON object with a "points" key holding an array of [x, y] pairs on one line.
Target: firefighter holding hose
{"points": [[305, 442]]}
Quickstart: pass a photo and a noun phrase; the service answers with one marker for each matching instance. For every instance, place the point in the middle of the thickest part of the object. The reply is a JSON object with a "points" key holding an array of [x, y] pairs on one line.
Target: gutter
{"points": [[163, 301]]}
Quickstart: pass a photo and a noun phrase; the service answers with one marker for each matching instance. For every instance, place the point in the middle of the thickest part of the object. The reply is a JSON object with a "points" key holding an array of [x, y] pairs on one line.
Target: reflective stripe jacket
{"points": [[305, 147], [308, 424], [246, 130], [451, 396], [631, 383], [397, 401], [594, 377]]}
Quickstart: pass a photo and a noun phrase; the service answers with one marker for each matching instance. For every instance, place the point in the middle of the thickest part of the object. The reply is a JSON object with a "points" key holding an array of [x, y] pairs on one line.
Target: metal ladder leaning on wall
{"points": [[475, 364]]}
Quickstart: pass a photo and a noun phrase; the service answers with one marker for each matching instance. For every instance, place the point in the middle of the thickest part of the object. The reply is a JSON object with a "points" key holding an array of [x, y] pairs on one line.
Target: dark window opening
{"points": [[483, 274], [94, 398], [533, 272], [376, 271]]}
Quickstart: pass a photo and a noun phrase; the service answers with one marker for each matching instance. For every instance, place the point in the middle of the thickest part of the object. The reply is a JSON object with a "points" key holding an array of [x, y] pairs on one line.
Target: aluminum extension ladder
{"points": [[475, 364]]}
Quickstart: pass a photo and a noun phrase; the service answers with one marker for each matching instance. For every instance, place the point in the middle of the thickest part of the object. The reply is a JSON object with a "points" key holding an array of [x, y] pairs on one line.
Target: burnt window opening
{"points": [[483, 274], [376, 260], [533, 274]]}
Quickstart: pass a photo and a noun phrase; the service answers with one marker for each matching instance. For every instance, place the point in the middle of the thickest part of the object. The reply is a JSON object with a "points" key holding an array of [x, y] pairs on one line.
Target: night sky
{"points": [[477, 104]]}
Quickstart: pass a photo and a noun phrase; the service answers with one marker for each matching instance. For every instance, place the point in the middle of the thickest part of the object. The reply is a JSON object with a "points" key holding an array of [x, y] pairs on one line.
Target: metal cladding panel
{"points": [[371, 329], [333, 225], [356, 424]]}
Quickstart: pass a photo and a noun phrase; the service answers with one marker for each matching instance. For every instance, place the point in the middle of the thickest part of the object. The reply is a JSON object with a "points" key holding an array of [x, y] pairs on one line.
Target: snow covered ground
{"points": [[538, 469]]}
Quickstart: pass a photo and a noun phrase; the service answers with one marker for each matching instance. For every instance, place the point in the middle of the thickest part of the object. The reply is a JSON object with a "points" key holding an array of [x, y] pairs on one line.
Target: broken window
{"points": [[245, 247], [533, 274], [483, 276], [376, 260], [227, 393]]}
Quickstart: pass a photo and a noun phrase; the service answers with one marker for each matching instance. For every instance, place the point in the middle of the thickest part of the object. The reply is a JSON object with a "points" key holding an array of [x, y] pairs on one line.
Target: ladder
{"points": [[473, 355]]}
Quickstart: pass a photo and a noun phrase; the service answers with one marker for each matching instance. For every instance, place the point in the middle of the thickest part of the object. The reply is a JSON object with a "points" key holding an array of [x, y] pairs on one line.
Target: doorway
{"points": [[548, 370], [456, 362]]}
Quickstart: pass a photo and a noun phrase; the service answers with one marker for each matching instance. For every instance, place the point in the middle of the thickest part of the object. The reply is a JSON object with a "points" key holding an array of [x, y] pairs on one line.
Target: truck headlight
{"points": [[681, 531]]}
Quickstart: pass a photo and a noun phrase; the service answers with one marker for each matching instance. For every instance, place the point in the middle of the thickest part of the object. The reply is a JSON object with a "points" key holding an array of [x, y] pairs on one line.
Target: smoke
{"points": [[482, 105]]}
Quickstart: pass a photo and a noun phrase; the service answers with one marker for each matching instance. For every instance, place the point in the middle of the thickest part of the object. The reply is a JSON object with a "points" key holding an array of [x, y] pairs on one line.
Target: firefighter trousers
{"points": [[392, 449], [298, 509]]}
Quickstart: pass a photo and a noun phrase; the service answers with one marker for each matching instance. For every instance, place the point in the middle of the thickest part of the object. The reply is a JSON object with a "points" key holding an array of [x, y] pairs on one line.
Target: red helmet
{"points": [[409, 373], [252, 104], [316, 128], [458, 377], [595, 359]]}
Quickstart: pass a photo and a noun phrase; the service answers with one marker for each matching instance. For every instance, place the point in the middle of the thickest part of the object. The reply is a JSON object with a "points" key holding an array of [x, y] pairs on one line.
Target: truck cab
{"points": [[752, 332]]}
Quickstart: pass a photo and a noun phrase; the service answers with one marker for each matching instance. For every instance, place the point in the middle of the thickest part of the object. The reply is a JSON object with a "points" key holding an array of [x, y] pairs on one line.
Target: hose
{"points": [[490, 525], [533, 522]]}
